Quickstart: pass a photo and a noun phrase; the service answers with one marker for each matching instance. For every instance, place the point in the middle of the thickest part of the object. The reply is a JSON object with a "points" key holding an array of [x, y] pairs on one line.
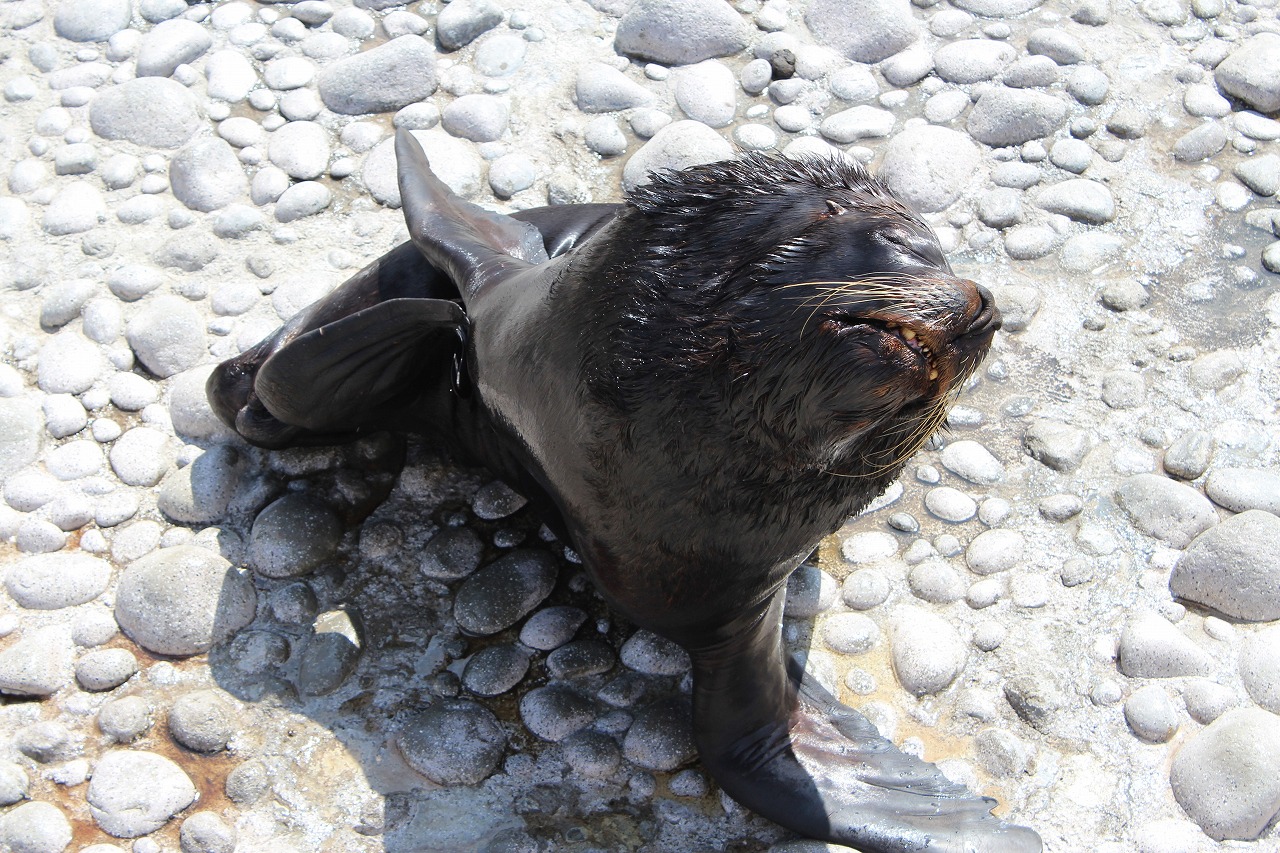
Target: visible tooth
{"points": [[908, 334], [933, 374]]}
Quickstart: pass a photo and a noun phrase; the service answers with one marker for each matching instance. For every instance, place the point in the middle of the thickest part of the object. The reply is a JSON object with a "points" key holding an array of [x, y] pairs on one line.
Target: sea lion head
{"points": [[791, 303]]}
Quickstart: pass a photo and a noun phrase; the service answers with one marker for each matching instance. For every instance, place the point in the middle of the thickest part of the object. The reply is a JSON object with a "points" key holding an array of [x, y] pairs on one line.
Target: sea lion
{"points": [[692, 388]]}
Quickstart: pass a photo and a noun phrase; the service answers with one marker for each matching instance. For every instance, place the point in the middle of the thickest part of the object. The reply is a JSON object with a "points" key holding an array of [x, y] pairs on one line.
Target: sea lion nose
{"points": [[988, 318]]}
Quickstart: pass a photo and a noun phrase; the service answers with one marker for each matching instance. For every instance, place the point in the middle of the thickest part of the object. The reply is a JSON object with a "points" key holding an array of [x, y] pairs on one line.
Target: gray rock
{"points": [[556, 711], [38, 664], [1207, 700], [460, 23], [677, 146], [206, 832], [680, 32], [1057, 44], [860, 122], [500, 594], [994, 551], [149, 112], [206, 175], [168, 335], [1241, 489], [1151, 715], [125, 720], [600, 88], [936, 582], [1251, 72], [181, 601], [1260, 668], [15, 785], [647, 653], [231, 77], [200, 492], [929, 167], [453, 743], [928, 654], [452, 554], [1224, 777], [1123, 389], [591, 754], [1234, 568], [131, 282], [863, 31], [496, 500], [661, 738], [21, 432], [1166, 509], [850, 633], [1216, 370], [1150, 647], [973, 462], [1000, 208], [810, 591], [1003, 116], [170, 44], [248, 782], [1260, 174], [1200, 143], [1031, 72], [972, 60], [302, 200], [91, 20], [293, 536], [105, 669], [35, 827], [552, 627], [1080, 199], [580, 659], [950, 504], [203, 720], [64, 415], [1189, 455], [479, 118], [301, 149], [76, 208], [330, 656], [134, 793], [53, 581], [386, 78], [511, 173], [496, 669], [707, 92]]}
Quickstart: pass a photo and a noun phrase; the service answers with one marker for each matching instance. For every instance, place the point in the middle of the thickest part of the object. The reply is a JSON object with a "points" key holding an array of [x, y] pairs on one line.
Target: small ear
{"points": [[468, 242], [329, 379]]}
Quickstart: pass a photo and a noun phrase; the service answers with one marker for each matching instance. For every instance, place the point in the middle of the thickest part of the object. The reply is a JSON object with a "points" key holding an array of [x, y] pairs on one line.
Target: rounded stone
{"points": [[995, 551], [203, 721], [649, 654], [1151, 715], [1243, 489], [680, 32], [661, 738], [552, 627], [168, 336], [206, 175], [556, 711], [206, 832], [677, 146], [495, 670], [1150, 647], [950, 504], [1260, 668], [293, 536], [929, 167], [133, 793], [53, 581], [1170, 511], [500, 594], [973, 462], [35, 827], [105, 669], [1224, 777], [151, 112], [928, 654], [1234, 568], [850, 633], [181, 601], [38, 664]]}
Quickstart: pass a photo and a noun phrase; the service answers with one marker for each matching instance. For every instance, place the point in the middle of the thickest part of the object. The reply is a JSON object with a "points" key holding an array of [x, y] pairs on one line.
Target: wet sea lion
{"points": [[692, 388]]}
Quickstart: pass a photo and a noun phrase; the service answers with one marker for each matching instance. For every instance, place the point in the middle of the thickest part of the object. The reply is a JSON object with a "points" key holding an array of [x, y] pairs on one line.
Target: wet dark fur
{"points": [[694, 389]]}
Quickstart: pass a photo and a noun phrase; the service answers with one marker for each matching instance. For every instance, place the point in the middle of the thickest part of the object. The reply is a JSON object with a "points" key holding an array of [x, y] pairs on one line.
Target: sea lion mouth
{"points": [[905, 338]]}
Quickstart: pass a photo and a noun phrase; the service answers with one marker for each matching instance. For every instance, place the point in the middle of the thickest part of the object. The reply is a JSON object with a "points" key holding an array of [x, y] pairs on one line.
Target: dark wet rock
{"points": [[503, 592], [453, 743], [661, 738]]}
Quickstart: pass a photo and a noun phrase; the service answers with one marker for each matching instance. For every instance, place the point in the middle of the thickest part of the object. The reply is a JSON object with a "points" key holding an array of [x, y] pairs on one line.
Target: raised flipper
{"points": [[788, 750], [475, 247]]}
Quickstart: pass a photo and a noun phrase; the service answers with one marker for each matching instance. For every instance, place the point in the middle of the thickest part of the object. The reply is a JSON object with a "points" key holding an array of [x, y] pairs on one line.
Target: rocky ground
{"points": [[1070, 600]]}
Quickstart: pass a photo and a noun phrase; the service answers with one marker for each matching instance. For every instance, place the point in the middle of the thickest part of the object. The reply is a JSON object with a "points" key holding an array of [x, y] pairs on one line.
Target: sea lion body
{"points": [[694, 388]]}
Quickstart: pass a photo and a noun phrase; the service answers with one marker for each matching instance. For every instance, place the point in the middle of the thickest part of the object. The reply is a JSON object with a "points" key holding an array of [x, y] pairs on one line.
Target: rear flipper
{"points": [[788, 750]]}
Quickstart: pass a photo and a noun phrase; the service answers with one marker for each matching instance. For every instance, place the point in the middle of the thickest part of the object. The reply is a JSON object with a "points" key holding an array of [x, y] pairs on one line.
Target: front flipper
{"points": [[358, 373], [788, 750]]}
